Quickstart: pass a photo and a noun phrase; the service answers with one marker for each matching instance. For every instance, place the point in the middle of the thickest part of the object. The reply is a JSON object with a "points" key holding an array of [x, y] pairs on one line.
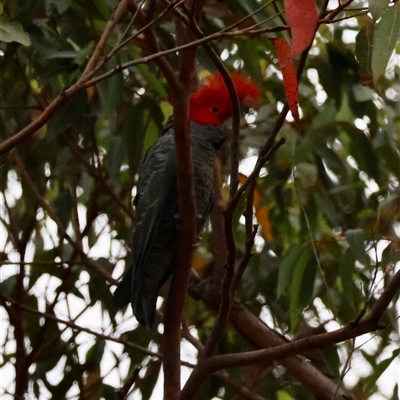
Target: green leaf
{"points": [[59, 391], [302, 285], [286, 269], [68, 114], [363, 152], [95, 354], [326, 116], [133, 133], [377, 8], [96, 283], [35, 272], [331, 161], [385, 146], [151, 376], [7, 285], [105, 8], [13, 32], [386, 35], [63, 206], [110, 91], [325, 206], [152, 80], [380, 368], [306, 174], [364, 47], [355, 238], [115, 158], [60, 6], [346, 271], [388, 257], [363, 93], [282, 395]]}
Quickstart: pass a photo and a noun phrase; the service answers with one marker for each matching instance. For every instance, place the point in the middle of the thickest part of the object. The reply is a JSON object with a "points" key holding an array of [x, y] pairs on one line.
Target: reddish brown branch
{"points": [[260, 335], [281, 352], [187, 209], [350, 331]]}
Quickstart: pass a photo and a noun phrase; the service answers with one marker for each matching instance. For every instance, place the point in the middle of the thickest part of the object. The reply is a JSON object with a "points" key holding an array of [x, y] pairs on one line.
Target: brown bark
{"points": [[261, 336]]}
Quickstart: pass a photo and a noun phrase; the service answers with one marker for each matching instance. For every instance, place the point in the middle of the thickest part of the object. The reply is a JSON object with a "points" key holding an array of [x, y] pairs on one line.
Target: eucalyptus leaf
{"points": [[301, 285], [347, 269], [386, 36], [68, 114], [115, 158], [286, 269], [13, 32], [356, 240], [364, 47], [378, 7]]}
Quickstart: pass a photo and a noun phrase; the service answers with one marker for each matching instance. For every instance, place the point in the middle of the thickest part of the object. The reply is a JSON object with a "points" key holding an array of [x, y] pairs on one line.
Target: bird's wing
{"points": [[156, 180], [156, 232]]}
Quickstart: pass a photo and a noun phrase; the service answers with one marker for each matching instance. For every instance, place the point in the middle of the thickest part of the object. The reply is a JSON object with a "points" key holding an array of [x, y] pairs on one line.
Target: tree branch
{"points": [[283, 351], [50, 211]]}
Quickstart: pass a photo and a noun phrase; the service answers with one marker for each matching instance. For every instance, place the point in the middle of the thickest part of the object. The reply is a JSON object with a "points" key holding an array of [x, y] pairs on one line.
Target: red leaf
{"points": [[302, 18], [289, 74]]}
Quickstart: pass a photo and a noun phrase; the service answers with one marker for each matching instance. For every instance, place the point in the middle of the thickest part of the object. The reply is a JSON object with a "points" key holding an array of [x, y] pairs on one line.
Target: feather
{"points": [[156, 235]]}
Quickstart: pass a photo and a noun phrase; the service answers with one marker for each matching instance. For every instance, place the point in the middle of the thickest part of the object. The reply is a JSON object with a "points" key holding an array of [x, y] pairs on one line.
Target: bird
{"points": [[156, 233]]}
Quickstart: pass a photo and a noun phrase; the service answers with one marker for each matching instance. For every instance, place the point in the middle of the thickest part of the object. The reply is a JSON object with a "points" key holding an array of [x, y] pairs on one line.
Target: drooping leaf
{"points": [[94, 355], [380, 368], [326, 208], [115, 158], [141, 128], [68, 114], [199, 262], [364, 46], [153, 81], [60, 6], [92, 388], [356, 240], [63, 205], [346, 271], [289, 75], [282, 395], [386, 35], [302, 18], [261, 211], [302, 285], [7, 285], [152, 374], [306, 174], [11, 31], [110, 91], [385, 146], [286, 269], [360, 147], [377, 8]]}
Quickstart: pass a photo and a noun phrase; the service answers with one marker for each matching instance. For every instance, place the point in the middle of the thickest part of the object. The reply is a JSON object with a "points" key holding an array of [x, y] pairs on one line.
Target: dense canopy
{"points": [[304, 236]]}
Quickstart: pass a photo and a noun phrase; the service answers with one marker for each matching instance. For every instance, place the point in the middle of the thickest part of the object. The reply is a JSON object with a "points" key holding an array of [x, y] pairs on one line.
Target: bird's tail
{"points": [[123, 294], [142, 298]]}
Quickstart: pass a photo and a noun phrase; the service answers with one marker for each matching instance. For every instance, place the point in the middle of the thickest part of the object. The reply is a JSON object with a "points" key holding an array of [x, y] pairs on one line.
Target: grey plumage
{"points": [[156, 235]]}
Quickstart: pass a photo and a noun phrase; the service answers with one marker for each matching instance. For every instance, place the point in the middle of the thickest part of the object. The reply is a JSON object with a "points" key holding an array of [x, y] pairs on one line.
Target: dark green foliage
{"points": [[332, 195]]}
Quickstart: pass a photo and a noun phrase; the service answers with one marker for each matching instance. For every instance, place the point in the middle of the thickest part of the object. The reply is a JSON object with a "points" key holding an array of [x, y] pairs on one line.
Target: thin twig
{"points": [[79, 328], [50, 211], [352, 330], [95, 58]]}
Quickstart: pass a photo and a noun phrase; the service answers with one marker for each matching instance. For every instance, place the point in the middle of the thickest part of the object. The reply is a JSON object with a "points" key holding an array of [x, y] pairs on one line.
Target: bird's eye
{"points": [[215, 110]]}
